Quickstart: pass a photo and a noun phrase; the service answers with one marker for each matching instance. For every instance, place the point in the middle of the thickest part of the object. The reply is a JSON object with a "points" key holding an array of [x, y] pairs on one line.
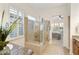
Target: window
{"points": [[13, 15]]}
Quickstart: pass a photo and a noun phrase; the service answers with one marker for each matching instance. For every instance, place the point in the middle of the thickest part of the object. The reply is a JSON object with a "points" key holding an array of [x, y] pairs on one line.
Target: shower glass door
{"points": [[31, 26], [42, 31]]}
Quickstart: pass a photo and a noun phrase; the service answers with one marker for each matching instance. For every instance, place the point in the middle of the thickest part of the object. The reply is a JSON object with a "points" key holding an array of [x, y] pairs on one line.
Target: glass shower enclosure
{"points": [[37, 30]]}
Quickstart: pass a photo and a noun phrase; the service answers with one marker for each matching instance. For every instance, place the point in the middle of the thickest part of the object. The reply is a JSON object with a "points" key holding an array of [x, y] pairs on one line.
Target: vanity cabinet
{"points": [[75, 47]]}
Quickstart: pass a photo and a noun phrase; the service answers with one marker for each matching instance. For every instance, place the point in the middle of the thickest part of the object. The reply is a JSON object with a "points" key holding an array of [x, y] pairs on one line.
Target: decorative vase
{"points": [[5, 51]]}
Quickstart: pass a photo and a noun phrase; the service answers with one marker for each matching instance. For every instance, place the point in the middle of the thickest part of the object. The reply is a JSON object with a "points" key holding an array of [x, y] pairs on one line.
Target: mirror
{"points": [[77, 29]]}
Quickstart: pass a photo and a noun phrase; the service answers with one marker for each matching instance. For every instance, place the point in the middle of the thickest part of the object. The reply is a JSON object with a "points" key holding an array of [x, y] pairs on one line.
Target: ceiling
{"points": [[45, 5], [36, 5], [31, 8]]}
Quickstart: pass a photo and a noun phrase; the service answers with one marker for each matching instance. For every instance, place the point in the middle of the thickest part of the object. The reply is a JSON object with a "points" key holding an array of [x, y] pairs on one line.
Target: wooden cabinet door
{"points": [[75, 47], [76, 50]]}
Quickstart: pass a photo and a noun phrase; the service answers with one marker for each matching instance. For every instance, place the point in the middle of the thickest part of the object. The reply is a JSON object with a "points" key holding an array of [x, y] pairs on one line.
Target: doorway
{"points": [[56, 30]]}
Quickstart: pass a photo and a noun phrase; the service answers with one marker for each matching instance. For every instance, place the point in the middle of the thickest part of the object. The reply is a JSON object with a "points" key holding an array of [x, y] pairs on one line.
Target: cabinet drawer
{"points": [[76, 51], [77, 43]]}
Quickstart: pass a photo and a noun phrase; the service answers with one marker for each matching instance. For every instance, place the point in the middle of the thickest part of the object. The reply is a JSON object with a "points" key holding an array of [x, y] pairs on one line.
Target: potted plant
{"points": [[4, 32]]}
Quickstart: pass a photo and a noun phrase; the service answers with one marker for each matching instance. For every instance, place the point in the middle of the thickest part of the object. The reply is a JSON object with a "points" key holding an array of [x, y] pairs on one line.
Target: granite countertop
{"points": [[19, 50], [76, 37]]}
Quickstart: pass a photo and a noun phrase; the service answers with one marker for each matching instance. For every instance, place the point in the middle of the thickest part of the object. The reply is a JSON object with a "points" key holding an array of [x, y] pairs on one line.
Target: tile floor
{"points": [[56, 48]]}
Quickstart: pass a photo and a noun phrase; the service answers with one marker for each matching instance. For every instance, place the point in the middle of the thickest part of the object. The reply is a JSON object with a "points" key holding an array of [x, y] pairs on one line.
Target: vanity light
{"points": [[31, 18]]}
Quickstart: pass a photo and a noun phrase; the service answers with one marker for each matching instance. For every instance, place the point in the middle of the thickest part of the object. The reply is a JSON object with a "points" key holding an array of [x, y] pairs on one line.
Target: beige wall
{"points": [[66, 37]]}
